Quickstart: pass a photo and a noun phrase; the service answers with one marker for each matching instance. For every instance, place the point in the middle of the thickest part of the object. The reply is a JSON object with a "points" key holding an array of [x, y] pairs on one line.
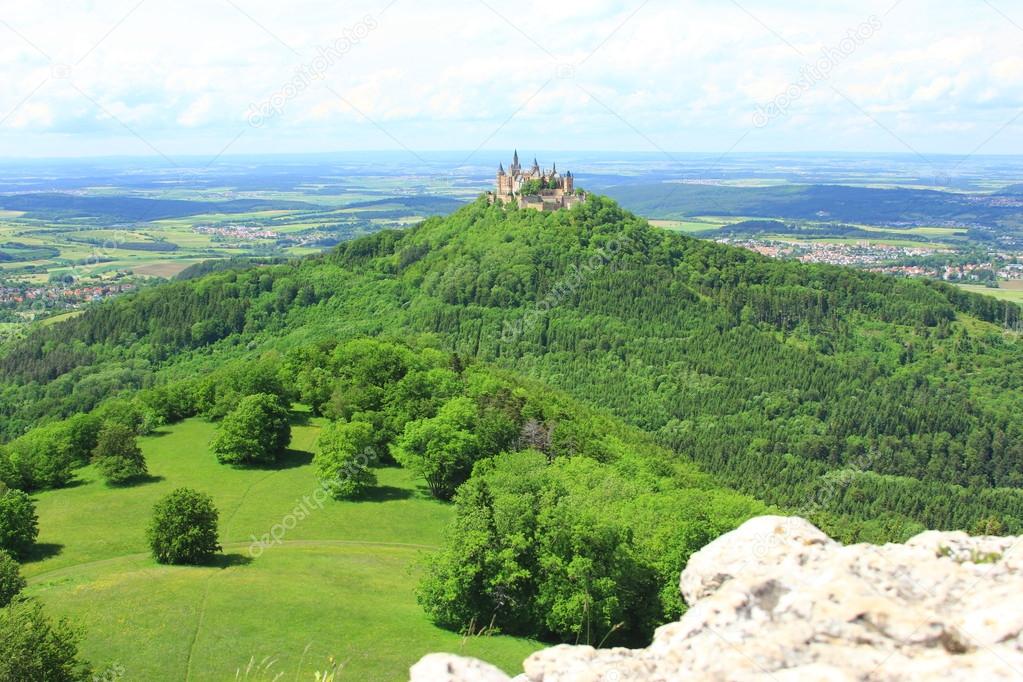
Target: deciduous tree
{"points": [[19, 524], [118, 456], [256, 432], [184, 528], [344, 458]]}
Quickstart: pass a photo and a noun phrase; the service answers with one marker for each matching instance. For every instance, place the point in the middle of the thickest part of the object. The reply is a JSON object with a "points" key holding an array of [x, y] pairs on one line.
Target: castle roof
{"points": [[500, 169]]}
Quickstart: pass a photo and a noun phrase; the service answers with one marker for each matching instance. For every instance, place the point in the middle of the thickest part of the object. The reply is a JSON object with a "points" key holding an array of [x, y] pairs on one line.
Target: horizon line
{"points": [[665, 155]]}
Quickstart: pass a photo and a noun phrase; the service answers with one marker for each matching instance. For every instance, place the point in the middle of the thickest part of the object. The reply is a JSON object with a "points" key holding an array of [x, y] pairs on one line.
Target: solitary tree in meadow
{"points": [[184, 528]]}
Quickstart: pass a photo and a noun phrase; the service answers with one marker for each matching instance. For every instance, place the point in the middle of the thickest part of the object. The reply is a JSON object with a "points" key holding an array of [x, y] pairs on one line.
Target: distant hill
{"points": [[761, 228], [880, 404], [814, 202], [426, 203], [133, 209]]}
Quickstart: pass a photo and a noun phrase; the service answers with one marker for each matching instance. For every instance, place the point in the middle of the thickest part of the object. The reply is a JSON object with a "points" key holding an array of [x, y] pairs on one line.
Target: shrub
{"points": [[255, 432], [11, 582], [34, 648], [19, 524], [342, 463], [117, 455], [184, 528]]}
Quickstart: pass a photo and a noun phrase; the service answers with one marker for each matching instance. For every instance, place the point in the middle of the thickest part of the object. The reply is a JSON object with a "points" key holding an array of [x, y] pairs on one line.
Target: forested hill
{"points": [[871, 404], [860, 205]]}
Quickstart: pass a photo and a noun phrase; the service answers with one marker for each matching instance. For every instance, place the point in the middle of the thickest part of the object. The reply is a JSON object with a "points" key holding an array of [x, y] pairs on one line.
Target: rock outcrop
{"points": [[778, 600]]}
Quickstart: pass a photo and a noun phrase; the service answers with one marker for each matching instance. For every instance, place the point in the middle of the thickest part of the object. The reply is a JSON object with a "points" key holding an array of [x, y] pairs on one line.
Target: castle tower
{"points": [[515, 167], [569, 183], [503, 181]]}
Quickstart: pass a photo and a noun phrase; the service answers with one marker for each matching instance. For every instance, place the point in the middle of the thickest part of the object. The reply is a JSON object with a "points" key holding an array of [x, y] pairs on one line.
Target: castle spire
{"points": [[515, 159], [500, 169]]}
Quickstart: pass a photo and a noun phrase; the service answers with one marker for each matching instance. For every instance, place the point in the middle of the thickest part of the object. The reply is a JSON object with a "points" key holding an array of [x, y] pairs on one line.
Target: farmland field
{"points": [[60, 251], [1009, 291], [340, 584], [133, 229]]}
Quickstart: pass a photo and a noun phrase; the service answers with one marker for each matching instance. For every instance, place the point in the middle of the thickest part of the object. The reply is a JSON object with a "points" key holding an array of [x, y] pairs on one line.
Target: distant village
{"points": [[903, 261], [71, 295], [236, 231]]}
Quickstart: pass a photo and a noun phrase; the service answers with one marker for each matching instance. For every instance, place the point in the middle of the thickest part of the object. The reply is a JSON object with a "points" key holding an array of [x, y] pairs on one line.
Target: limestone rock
{"points": [[777, 600], [449, 668], [765, 540]]}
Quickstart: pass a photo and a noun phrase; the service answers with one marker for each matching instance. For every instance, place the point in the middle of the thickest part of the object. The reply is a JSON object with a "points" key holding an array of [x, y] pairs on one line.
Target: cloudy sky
{"points": [[209, 77]]}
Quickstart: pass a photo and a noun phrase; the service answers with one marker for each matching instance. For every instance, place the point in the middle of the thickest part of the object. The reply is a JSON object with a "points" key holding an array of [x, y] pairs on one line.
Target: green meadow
{"points": [[340, 583], [692, 226], [1006, 293]]}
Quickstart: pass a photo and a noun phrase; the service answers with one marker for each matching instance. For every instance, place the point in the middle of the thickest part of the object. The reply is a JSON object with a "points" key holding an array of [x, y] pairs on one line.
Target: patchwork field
{"points": [[340, 584], [100, 232]]}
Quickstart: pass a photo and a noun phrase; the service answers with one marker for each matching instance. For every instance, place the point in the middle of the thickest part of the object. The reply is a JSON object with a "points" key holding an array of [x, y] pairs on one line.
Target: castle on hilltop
{"points": [[535, 188]]}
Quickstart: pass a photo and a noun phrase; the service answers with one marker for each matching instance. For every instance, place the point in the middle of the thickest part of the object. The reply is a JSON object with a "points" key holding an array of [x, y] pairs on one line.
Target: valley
{"points": [[560, 408]]}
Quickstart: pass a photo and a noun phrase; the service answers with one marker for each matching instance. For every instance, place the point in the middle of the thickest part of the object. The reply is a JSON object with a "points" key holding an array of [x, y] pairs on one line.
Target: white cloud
{"points": [[197, 113], [687, 74]]}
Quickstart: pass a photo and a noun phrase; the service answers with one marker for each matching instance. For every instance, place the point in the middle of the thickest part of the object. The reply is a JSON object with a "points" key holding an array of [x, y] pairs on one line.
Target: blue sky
{"points": [[214, 77]]}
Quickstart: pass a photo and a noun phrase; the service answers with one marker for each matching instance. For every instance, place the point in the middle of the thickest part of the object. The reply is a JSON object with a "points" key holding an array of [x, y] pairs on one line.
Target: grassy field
{"points": [[164, 269], [339, 584], [922, 231], [704, 224], [691, 226], [1012, 292]]}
